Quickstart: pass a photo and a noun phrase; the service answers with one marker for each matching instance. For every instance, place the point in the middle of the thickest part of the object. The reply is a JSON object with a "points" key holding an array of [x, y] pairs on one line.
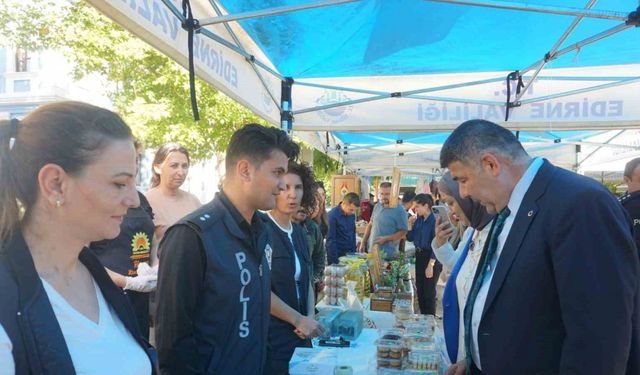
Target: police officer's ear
{"points": [[626, 180], [244, 169]]}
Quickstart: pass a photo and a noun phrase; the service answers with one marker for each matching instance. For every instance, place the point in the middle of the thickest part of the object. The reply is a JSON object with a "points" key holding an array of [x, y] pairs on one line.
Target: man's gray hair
{"points": [[474, 138], [385, 184]]}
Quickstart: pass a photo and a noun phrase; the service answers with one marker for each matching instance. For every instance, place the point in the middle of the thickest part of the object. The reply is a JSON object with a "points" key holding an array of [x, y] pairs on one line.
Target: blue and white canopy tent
{"points": [[380, 83]]}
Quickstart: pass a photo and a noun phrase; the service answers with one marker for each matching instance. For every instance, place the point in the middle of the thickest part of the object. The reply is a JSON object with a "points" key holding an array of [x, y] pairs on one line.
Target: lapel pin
{"points": [[530, 213]]}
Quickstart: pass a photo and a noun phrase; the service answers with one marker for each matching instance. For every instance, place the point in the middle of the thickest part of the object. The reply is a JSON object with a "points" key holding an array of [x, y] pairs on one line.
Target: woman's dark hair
{"points": [[160, 157], [309, 186], [424, 199], [68, 134]]}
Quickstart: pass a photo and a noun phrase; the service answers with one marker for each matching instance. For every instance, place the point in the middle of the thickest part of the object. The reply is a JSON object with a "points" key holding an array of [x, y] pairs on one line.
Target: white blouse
{"points": [[104, 348], [464, 280]]}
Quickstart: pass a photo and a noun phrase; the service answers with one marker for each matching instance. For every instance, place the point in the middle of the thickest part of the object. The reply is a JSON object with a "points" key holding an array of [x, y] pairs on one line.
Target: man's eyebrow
{"points": [[126, 174]]}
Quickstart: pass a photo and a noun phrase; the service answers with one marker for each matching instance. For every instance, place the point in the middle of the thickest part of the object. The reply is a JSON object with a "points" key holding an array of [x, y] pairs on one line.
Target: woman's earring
{"points": [[58, 203]]}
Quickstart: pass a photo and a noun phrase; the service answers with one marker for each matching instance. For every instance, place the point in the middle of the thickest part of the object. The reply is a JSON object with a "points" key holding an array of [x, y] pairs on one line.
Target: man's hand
{"points": [[307, 328], [444, 231], [459, 368], [428, 272], [380, 240]]}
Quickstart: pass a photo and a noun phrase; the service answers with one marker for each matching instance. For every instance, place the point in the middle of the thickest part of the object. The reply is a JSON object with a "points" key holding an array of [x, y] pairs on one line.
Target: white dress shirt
{"points": [[517, 195]]}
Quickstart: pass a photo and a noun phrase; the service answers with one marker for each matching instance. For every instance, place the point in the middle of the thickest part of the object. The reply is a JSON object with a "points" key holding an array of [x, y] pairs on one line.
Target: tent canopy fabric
{"points": [[380, 83]]}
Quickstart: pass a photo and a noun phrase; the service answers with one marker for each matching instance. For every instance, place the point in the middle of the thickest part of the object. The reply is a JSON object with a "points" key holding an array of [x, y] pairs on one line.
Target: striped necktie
{"points": [[484, 271]]}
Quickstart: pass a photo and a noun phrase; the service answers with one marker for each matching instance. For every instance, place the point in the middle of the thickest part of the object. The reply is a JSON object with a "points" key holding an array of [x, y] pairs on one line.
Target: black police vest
{"points": [[232, 318], [123, 253]]}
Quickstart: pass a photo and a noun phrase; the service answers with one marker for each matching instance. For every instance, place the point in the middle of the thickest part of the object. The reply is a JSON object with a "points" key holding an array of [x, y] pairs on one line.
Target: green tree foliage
{"points": [[148, 89]]}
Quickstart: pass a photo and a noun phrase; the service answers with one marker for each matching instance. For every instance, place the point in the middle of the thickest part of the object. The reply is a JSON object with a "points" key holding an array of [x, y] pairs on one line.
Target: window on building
{"points": [[22, 60], [21, 85]]}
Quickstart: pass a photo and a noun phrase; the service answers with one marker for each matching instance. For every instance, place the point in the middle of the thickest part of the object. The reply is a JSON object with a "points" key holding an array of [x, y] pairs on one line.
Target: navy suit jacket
{"points": [[564, 295]]}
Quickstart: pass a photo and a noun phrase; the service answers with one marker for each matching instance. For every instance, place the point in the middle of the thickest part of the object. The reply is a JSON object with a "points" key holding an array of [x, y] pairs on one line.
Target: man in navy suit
{"points": [[557, 289]]}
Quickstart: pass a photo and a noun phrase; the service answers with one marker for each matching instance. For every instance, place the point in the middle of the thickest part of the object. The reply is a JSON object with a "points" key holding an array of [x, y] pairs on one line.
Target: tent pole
{"points": [[341, 104], [272, 11], [565, 11], [174, 10], [582, 43], [341, 88], [455, 100], [580, 91], [250, 60], [553, 50], [286, 116], [226, 43], [598, 149]]}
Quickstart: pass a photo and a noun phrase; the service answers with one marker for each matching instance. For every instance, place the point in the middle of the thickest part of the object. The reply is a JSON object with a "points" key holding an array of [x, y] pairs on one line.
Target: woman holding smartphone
{"points": [[421, 233], [462, 261]]}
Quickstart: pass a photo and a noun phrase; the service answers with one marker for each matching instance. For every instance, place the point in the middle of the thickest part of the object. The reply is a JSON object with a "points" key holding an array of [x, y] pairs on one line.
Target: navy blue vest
{"points": [[282, 339], [232, 318], [28, 318]]}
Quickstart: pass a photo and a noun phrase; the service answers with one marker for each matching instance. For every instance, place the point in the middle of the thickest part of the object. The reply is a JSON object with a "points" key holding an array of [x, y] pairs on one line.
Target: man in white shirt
{"points": [[557, 288]]}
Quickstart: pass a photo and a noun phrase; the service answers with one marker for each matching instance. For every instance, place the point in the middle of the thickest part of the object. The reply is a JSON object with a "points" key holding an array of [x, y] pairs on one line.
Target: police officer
{"points": [[631, 199], [123, 256], [214, 279]]}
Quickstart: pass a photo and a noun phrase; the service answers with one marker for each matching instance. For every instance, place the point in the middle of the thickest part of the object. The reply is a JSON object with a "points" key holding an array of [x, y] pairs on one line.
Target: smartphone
{"points": [[443, 213]]}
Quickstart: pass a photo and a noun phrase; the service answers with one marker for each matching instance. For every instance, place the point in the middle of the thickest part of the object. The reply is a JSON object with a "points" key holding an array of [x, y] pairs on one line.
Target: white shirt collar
{"points": [[523, 185]]}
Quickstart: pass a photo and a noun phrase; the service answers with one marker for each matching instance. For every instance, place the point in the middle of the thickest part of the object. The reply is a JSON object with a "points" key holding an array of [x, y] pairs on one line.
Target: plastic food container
{"points": [[423, 360], [389, 371], [388, 349], [390, 363], [349, 324]]}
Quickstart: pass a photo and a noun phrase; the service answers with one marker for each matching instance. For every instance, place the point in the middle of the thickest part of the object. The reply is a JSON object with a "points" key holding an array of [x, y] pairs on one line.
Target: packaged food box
{"points": [[348, 324], [326, 317], [381, 303]]}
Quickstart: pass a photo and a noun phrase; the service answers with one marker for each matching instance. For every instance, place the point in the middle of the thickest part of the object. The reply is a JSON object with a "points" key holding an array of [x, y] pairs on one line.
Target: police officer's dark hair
{"points": [[408, 196], [68, 134], [385, 184], [161, 155], [352, 197], [474, 138], [630, 167], [424, 199], [255, 142]]}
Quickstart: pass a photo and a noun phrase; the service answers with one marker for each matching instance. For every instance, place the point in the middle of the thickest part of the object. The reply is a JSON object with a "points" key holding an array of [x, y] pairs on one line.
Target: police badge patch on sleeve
{"points": [[267, 253]]}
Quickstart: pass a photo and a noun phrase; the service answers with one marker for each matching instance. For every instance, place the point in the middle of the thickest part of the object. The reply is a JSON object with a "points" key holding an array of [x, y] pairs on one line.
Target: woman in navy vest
{"points": [[68, 178], [292, 299], [462, 262]]}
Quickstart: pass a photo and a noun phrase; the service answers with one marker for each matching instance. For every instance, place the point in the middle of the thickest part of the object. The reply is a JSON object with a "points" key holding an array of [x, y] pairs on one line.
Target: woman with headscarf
{"points": [[462, 261]]}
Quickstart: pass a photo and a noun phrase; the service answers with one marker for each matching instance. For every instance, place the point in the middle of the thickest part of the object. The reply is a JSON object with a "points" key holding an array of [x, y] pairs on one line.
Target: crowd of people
{"points": [[544, 270]]}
